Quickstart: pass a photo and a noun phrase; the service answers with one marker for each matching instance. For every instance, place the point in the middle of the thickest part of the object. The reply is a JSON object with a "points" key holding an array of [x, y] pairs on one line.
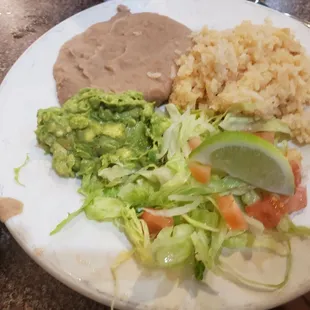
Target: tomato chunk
{"points": [[296, 171], [202, 173], [294, 155], [194, 142], [266, 135], [268, 211], [156, 223], [297, 201], [231, 212]]}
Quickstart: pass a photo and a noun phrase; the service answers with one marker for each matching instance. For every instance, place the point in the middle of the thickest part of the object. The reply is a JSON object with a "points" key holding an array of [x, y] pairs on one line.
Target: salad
{"points": [[183, 185]]}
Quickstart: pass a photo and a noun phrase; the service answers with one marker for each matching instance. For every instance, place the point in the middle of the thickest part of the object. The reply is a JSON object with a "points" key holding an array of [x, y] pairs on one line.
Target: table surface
{"points": [[23, 284]]}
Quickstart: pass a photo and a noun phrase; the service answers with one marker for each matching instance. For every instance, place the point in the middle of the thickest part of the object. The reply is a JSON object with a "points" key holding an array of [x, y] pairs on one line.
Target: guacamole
{"points": [[95, 130]]}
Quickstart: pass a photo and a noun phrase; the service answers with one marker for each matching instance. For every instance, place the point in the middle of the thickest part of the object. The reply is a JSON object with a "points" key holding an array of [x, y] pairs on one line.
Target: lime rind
{"points": [[249, 158]]}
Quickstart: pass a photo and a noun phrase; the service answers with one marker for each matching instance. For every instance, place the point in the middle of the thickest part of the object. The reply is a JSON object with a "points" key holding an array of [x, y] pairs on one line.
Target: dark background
{"points": [[23, 284]]}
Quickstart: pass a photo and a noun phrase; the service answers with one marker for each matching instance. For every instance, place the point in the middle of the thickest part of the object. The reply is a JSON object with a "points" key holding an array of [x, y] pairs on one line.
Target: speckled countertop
{"points": [[23, 284]]}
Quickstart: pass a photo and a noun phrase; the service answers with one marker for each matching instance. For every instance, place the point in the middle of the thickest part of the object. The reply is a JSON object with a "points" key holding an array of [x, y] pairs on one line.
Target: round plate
{"points": [[81, 254]]}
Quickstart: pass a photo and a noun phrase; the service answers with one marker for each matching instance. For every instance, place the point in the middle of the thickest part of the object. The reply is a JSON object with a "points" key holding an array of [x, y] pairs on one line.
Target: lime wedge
{"points": [[248, 158]]}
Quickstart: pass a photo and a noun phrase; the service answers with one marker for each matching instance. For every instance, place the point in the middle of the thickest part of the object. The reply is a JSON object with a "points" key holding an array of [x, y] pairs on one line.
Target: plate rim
{"points": [[70, 281]]}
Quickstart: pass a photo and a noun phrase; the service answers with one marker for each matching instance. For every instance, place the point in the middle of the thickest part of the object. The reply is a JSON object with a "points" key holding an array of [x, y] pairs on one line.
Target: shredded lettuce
{"points": [[228, 185], [217, 185], [18, 169], [64, 222], [173, 245], [239, 241], [157, 176], [234, 122], [114, 173], [198, 224], [120, 259], [137, 233], [248, 240], [149, 194], [208, 246], [183, 198], [184, 126], [136, 194], [205, 216], [217, 240], [201, 241], [88, 200], [166, 186], [104, 208], [250, 197], [227, 271], [287, 226], [180, 210], [255, 226]]}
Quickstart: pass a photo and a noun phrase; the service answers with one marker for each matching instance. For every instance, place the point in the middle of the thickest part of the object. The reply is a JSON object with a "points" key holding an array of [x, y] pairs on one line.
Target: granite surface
{"points": [[23, 284]]}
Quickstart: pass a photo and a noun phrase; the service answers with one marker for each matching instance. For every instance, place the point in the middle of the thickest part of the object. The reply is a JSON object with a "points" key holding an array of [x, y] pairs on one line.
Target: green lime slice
{"points": [[248, 158]]}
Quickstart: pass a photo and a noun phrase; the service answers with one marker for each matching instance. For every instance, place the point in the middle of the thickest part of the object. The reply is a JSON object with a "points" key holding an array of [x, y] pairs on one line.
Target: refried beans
{"points": [[9, 207], [128, 52]]}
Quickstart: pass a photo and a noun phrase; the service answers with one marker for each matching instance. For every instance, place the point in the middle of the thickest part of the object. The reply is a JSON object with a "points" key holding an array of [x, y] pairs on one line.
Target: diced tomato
{"points": [[194, 142], [296, 167], [268, 211], [266, 135], [231, 212], [272, 208], [202, 173], [294, 155], [156, 223], [297, 201]]}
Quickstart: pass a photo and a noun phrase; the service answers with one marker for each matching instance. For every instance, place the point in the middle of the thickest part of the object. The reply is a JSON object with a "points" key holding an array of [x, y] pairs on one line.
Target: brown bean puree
{"points": [[128, 52], [9, 207]]}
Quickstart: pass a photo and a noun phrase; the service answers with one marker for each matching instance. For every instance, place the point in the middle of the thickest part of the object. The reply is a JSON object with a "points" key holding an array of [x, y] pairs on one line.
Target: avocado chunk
{"points": [[95, 130]]}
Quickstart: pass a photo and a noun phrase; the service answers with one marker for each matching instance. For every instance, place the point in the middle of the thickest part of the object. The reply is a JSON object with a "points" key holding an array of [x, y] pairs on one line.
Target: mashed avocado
{"points": [[95, 130]]}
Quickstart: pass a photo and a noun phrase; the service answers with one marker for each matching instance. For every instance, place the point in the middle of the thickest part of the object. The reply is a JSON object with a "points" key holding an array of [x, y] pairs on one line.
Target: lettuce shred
{"points": [[18, 170]]}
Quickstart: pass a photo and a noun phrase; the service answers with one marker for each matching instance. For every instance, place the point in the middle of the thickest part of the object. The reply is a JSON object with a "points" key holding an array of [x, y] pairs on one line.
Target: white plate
{"points": [[80, 256]]}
